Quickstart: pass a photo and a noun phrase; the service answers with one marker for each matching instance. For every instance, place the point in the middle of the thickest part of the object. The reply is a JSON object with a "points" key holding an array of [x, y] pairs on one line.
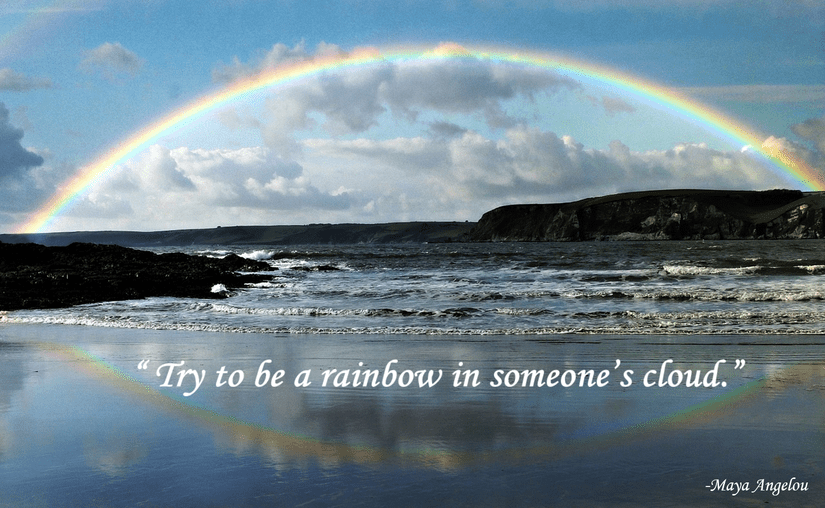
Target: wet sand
{"points": [[81, 423]]}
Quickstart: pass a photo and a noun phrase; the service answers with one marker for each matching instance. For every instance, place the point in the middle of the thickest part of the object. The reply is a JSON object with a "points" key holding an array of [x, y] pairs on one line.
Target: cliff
{"points": [[660, 215]]}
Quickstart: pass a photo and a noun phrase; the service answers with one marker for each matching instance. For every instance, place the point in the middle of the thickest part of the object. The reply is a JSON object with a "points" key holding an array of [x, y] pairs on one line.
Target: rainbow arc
{"points": [[783, 161]]}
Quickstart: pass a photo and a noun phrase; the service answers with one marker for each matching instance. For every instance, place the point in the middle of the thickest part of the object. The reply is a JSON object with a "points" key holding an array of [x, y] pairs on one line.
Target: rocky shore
{"points": [[34, 276], [661, 215]]}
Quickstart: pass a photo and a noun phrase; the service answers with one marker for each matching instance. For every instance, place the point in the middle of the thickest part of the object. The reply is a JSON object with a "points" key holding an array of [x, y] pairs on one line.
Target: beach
{"points": [[84, 424]]}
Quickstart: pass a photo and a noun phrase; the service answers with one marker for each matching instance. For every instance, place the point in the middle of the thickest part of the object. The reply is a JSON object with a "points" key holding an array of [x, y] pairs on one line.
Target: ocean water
{"points": [[580, 374], [530, 289]]}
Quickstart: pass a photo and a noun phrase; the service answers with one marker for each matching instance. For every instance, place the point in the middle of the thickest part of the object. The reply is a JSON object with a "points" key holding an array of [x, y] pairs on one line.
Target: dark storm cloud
{"points": [[15, 160]]}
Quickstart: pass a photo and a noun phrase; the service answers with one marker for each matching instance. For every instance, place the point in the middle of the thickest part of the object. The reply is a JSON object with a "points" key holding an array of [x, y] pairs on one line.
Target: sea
{"points": [[682, 373]]}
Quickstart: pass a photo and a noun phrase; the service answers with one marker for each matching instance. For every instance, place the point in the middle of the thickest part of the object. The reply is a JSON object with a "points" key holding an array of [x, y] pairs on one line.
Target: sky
{"points": [[419, 139]]}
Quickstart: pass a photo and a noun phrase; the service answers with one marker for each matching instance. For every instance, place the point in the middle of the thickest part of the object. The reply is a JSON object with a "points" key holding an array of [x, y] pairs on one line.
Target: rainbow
{"points": [[36, 19], [783, 161], [267, 441]]}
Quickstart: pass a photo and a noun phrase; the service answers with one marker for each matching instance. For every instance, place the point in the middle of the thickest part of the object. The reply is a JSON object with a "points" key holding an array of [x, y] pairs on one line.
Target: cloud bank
{"points": [[457, 177]]}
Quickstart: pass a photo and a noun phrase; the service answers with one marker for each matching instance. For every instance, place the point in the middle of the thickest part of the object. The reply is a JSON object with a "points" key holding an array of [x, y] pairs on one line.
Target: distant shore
{"points": [[310, 234], [682, 214]]}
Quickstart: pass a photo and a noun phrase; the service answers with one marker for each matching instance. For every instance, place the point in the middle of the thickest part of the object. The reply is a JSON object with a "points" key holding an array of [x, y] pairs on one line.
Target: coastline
{"points": [[659, 215]]}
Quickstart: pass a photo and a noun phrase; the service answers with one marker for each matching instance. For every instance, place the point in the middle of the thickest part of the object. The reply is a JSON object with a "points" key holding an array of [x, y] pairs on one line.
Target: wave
{"points": [[258, 255], [681, 325], [703, 295], [766, 268], [812, 269], [454, 312], [690, 270]]}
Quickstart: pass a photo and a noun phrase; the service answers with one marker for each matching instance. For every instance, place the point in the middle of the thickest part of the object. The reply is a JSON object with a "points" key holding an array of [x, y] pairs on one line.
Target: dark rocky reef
{"points": [[34, 276], [661, 215]]}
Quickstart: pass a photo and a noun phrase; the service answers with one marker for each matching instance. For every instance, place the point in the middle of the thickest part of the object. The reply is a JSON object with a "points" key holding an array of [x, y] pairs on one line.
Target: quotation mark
{"points": [[740, 364], [144, 364]]}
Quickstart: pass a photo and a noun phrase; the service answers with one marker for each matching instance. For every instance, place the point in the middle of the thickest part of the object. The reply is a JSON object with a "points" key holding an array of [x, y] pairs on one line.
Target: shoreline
{"points": [[759, 427]]}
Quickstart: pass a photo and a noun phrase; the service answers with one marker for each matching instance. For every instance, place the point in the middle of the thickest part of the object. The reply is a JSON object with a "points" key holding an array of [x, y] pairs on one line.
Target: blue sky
{"points": [[382, 144]]}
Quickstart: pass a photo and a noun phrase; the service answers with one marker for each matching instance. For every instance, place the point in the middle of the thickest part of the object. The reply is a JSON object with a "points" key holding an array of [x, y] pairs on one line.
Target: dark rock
{"points": [[661, 215], [317, 268], [35, 276]]}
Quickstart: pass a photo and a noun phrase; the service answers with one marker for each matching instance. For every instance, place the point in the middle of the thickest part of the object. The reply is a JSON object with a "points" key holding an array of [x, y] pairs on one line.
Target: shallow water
{"points": [[82, 424]]}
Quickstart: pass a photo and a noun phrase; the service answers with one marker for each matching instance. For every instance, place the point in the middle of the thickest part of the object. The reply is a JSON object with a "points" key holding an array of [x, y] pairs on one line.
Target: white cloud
{"points": [[456, 177], [279, 54], [111, 59], [811, 130], [160, 171], [186, 187], [12, 81], [352, 101], [472, 174], [347, 102]]}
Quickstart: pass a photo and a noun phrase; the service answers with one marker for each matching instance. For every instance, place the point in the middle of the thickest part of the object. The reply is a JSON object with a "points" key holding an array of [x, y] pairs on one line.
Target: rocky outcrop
{"points": [[33, 276], [661, 215]]}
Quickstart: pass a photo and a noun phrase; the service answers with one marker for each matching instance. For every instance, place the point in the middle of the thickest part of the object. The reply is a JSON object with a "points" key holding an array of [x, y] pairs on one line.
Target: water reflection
{"points": [[74, 406]]}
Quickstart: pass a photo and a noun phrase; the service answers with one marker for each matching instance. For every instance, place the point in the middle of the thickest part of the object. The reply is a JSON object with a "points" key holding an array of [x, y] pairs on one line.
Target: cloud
{"points": [[25, 180], [343, 103], [279, 54], [111, 59], [465, 86], [353, 101], [15, 160], [185, 187], [446, 129], [531, 162], [453, 177], [11, 81], [160, 171], [811, 151], [812, 130], [470, 173], [251, 178], [613, 105]]}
